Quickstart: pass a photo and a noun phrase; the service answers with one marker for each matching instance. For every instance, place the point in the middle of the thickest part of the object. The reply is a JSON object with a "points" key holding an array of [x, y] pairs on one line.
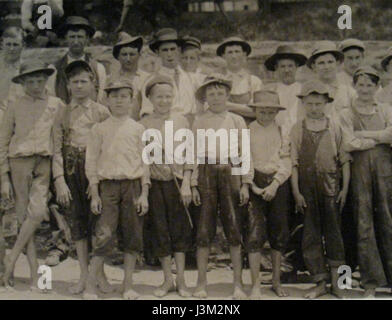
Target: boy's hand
{"points": [[63, 194], [142, 205], [300, 203], [196, 196], [256, 190], [96, 205], [270, 192], [244, 194], [186, 194], [6, 188], [342, 199]]}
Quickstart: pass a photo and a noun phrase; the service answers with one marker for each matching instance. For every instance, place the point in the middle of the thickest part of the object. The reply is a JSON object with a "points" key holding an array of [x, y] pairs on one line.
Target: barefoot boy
{"points": [[71, 133], [318, 161], [118, 182], [26, 149], [171, 228], [268, 218], [214, 185]]}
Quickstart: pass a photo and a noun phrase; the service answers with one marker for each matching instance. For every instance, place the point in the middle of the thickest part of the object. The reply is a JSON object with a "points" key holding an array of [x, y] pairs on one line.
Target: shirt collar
{"points": [[86, 105], [70, 59], [242, 73], [222, 114]]}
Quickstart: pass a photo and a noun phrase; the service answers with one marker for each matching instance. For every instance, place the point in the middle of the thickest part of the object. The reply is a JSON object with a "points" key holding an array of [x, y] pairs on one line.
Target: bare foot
{"points": [[369, 294], [279, 290], [104, 286], [130, 294], [201, 291], [90, 292], [317, 291], [182, 288], [164, 289], [239, 293], [255, 294], [78, 288]]}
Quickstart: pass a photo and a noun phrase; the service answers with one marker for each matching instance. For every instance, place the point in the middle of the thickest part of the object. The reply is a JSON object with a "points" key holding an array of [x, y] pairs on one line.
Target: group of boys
{"points": [[88, 140]]}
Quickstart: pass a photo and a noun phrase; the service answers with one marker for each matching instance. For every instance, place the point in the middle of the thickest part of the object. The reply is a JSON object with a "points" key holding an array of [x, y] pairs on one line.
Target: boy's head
{"points": [[191, 51], [33, 76], [159, 91], [119, 96], [267, 106], [325, 60], [80, 78], [366, 81], [215, 91], [127, 50], [235, 51], [12, 43], [315, 97], [354, 53], [167, 45]]}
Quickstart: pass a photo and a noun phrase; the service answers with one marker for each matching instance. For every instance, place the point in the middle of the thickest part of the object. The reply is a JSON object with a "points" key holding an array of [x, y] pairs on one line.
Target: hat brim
{"points": [[62, 31], [353, 47], [385, 62], [200, 93], [19, 77], [330, 99], [263, 105], [108, 89], [271, 62], [154, 46], [138, 42], [337, 54], [245, 46]]}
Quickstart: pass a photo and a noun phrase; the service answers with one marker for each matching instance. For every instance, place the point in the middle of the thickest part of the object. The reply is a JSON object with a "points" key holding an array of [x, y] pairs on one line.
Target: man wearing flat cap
{"points": [[285, 62], [77, 31]]}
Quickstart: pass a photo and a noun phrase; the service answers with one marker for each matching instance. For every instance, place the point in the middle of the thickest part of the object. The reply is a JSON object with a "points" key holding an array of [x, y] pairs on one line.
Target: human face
{"points": [[315, 106], [190, 59], [120, 101], [235, 57], [352, 60], [216, 98], [265, 116], [12, 48], [81, 85], [169, 52], [161, 97], [365, 88], [326, 67], [286, 70], [77, 41], [34, 84], [128, 58]]}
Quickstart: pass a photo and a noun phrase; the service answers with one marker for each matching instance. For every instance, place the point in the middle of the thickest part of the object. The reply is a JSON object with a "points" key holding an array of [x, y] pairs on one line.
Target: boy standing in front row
{"points": [[269, 213], [318, 160], [214, 184], [26, 150], [70, 139], [119, 183]]}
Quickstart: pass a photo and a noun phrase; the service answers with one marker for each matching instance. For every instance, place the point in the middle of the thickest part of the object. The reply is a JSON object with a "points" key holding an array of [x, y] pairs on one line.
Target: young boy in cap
{"points": [[26, 150], [77, 31], [170, 190], [367, 135], [354, 54], [213, 183], [268, 216], [127, 52], [118, 183], [167, 45], [318, 161], [70, 138]]}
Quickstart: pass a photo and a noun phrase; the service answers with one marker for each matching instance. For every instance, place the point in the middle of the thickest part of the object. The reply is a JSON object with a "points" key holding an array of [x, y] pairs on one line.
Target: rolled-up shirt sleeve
{"points": [[6, 132], [284, 166], [294, 144], [58, 139]]}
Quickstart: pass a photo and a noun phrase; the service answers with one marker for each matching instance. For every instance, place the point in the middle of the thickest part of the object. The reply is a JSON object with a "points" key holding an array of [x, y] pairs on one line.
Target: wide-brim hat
{"points": [[115, 84], [76, 64], [284, 52], [366, 70], [386, 59], [76, 22], [189, 41], [266, 99], [126, 40], [158, 79], [233, 41], [211, 79], [163, 36], [315, 86], [322, 48], [350, 44], [30, 67]]}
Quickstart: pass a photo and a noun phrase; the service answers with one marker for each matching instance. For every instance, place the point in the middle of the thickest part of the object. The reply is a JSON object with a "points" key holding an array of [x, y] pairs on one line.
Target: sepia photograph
{"points": [[195, 150]]}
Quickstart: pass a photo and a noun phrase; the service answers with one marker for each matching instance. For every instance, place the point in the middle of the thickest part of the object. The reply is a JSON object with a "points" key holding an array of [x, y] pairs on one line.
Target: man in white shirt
{"points": [[354, 54]]}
